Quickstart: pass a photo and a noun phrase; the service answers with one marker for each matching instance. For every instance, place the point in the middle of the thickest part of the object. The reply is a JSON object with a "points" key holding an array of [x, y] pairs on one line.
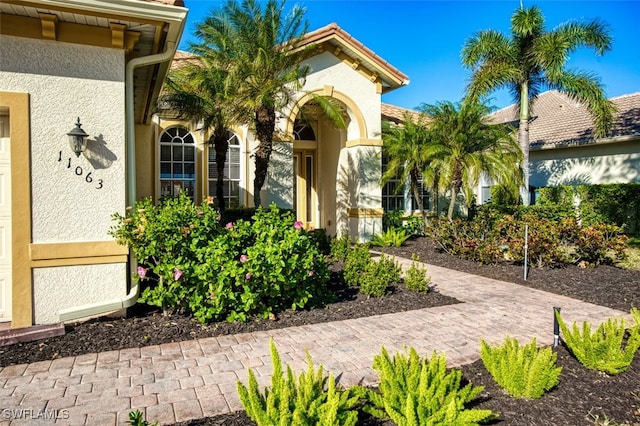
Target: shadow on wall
{"points": [[98, 154], [587, 170], [278, 187], [355, 170]]}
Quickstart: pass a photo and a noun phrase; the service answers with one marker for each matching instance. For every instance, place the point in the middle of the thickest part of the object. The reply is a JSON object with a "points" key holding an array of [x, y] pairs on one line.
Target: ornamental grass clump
{"points": [[523, 371], [308, 399], [393, 237], [416, 391], [603, 350]]}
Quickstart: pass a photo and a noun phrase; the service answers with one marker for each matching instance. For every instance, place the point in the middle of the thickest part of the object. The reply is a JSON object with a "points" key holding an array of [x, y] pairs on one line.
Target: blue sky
{"points": [[423, 38]]}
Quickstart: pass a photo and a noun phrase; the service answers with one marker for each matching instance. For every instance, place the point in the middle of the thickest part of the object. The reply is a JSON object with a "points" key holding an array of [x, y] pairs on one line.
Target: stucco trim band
{"points": [[83, 250], [48, 28], [364, 142], [20, 130], [368, 213]]}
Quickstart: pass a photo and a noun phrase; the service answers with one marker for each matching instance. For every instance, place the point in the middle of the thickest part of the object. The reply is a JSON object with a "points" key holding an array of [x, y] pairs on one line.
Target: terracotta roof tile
{"points": [[395, 114], [179, 3], [561, 121]]}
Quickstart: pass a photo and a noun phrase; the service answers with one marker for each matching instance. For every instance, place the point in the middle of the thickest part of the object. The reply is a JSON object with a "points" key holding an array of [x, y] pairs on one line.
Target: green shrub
{"points": [[523, 371], [300, 400], [603, 350], [601, 243], [393, 237], [340, 247], [414, 225], [421, 392], [556, 196], [136, 418], [358, 259], [392, 219], [614, 204], [379, 275], [416, 278], [242, 269]]}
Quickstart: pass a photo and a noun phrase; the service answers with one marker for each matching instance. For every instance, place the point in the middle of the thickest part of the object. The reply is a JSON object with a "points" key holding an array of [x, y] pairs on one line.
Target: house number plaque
{"points": [[80, 172]]}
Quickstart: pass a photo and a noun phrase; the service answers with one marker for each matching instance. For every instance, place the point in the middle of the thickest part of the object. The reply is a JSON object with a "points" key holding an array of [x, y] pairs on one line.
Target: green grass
{"points": [[633, 258]]}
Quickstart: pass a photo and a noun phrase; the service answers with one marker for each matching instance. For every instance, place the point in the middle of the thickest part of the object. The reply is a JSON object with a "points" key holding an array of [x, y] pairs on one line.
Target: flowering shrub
{"points": [[219, 271]]}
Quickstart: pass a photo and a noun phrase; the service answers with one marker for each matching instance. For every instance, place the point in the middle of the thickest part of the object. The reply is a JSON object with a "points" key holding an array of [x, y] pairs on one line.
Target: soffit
{"points": [[156, 22]]}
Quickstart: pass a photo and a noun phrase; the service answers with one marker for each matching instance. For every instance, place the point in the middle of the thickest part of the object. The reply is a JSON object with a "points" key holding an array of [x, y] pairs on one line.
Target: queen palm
{"points": [[532, 60], [257, 48], [197, 91], [463, 145]]}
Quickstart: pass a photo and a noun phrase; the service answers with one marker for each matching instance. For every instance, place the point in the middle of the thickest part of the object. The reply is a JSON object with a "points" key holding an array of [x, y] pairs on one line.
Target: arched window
{"points": [[231, 172], [177, 162], [302, 131]]}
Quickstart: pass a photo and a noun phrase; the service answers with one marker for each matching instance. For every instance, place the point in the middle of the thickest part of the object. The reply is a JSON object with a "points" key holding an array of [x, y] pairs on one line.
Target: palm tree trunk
{"points": [[452, 203], [523, 140], [265, 122], [221, 145]]}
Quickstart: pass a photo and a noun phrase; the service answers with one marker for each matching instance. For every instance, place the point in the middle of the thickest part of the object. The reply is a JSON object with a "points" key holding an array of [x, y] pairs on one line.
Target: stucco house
{"points": [[563, 150], [97, 66]]}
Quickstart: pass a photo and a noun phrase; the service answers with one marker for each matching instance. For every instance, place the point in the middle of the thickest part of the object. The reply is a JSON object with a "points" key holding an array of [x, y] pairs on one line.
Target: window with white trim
{"points": [[231, 172], [177, 162]]}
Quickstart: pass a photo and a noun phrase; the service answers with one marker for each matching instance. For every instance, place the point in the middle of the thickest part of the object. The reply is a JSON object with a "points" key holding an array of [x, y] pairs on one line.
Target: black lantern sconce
{"points": [[78, 139]]}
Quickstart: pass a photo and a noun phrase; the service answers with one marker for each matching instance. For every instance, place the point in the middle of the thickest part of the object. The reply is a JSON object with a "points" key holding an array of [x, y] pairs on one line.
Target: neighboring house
{"points": [[104, 61], [563, 150]]}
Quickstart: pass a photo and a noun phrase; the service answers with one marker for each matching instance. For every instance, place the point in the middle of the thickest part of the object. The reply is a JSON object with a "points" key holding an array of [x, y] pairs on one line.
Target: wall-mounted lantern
{"points": [[78, 139]]}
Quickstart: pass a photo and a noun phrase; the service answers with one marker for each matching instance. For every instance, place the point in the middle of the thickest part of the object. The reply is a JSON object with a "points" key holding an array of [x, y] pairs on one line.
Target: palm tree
{"points": [[533, 59], [197, 91], [404, 147], [257, 48], [463, 145]]}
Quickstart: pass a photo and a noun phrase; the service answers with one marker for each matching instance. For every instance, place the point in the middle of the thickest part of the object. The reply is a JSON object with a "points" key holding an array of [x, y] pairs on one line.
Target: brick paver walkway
{"points": [[192, 379]]}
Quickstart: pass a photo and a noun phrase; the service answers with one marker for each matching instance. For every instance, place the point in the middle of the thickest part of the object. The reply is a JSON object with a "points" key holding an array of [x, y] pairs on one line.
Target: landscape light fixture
{"points": [[78, 139], [556, 326]]}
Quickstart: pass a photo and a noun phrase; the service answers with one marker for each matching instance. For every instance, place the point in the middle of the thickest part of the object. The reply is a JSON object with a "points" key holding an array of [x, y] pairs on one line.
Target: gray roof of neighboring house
{"points": [[558, 121]]}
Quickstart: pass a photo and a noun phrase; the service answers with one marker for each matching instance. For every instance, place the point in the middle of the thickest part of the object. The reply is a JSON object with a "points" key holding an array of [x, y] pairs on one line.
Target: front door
{"points": [[305, 198]]}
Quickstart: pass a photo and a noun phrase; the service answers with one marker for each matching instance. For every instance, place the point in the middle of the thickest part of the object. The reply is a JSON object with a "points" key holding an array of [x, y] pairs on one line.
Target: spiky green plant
{"points": [[416, 392], [298, 401], [391, 238], [136, 418], [603, 350], [416, 278], [523, 371]]}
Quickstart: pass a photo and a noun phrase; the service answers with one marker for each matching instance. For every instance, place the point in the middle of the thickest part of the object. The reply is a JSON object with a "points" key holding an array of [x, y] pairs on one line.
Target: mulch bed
{"points": [[581, 397]]}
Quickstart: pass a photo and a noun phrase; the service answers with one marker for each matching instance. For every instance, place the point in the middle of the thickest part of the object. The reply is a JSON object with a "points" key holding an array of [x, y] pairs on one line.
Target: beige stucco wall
{"points": [[90, 284], [72, 198], [593, 164], [66, 81]]}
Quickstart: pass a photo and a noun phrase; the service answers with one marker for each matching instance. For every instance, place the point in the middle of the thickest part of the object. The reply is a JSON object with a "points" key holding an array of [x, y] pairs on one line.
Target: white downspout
{"points": [[130, 299]]}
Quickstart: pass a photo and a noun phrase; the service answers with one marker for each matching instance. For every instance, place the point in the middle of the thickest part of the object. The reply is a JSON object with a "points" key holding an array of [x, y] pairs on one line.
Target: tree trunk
{"points": [[523, 140], [265, 122], [452, 203], [221, 145]]}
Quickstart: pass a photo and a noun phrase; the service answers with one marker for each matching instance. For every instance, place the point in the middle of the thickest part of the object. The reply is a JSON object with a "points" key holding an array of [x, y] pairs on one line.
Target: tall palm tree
{"points": [[533, 59], [197, 91], [463, 145], [404, 147], [257, 47]]}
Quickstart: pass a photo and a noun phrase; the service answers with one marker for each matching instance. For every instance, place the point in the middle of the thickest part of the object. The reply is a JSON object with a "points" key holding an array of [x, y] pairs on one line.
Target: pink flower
{"points": [[297, 225], [248, 276], [142, 272], [200, 212], [177, 273], [229, 225], [311, 229], [243, 258], [310, 273]]}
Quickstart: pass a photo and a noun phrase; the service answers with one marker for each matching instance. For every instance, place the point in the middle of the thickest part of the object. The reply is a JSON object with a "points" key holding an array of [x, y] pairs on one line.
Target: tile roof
{"points": [[395, 114], [179, 3], [559, 121]]}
